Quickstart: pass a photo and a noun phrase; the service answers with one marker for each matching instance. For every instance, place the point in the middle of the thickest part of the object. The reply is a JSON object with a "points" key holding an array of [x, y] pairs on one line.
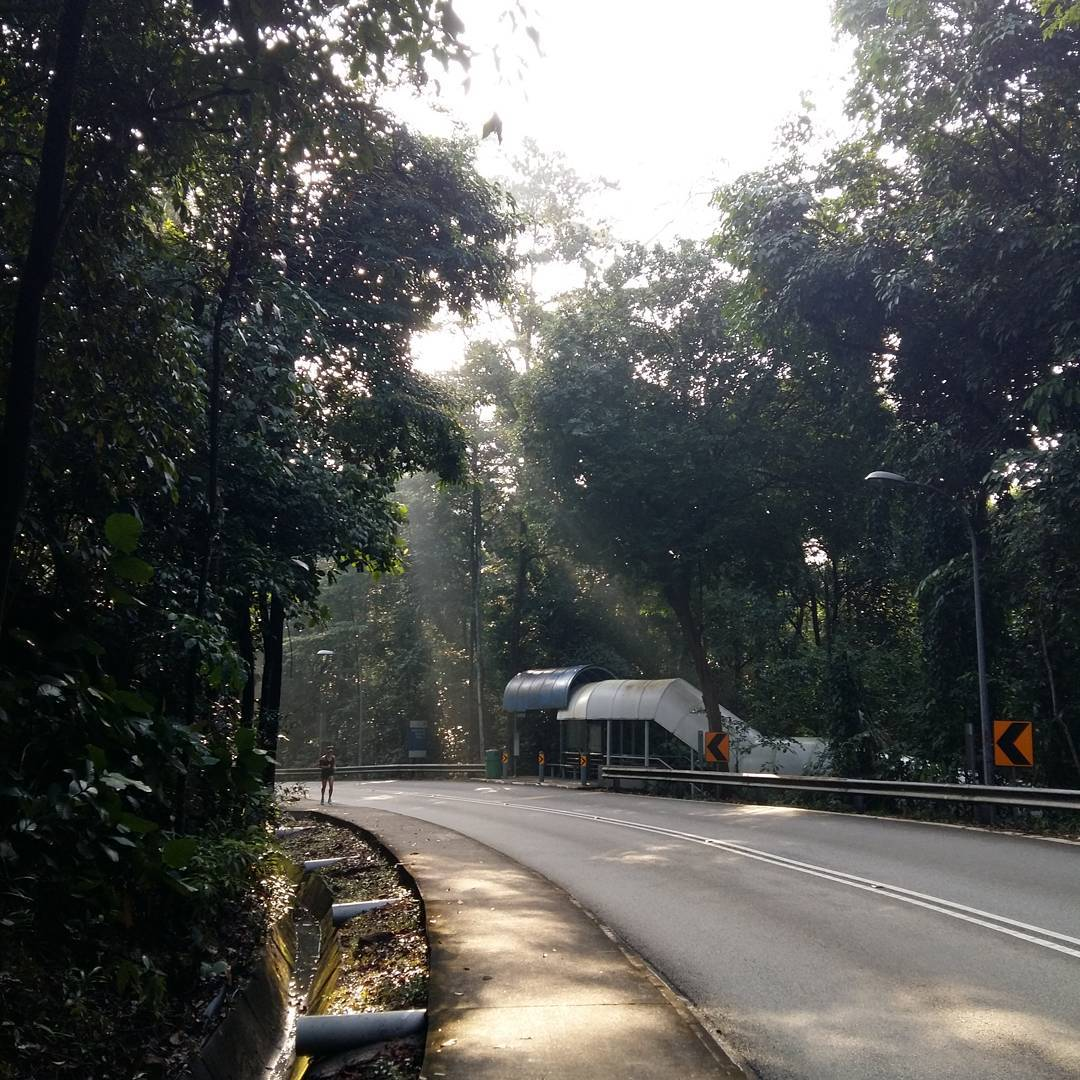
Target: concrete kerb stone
{"points": [[524, 983]]}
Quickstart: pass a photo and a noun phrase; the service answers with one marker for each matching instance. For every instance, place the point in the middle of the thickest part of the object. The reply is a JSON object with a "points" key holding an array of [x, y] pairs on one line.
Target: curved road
{"points": [[820, 946]]}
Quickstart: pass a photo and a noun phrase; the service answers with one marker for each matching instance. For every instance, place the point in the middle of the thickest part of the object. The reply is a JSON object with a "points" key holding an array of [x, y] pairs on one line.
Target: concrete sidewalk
{"points": [[524, 984]]}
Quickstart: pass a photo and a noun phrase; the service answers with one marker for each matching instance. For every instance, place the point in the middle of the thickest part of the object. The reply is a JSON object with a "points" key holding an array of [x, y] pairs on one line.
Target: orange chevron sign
{"points": [[717, 746], [1013, 743]]}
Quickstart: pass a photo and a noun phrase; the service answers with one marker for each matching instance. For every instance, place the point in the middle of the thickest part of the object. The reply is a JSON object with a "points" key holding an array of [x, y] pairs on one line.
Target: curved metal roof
{"points": [[548, 688], [673, 703], [679, 707]]}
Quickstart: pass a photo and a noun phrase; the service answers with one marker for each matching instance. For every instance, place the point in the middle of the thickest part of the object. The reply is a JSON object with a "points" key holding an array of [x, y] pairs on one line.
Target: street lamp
{"points": [[319, 701], [985, 733]]}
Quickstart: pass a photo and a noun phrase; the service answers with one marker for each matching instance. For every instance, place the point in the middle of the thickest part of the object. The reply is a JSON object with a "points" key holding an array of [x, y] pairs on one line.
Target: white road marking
{"points": [[1036, 935]]}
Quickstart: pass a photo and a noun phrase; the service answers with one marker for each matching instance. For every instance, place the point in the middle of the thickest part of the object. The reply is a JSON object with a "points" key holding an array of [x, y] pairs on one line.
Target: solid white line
{"points": [[1000, 923]]}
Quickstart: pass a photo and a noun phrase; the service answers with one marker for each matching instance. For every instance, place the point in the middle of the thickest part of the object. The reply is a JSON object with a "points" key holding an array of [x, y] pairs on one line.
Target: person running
{"points": [[327, 764]]}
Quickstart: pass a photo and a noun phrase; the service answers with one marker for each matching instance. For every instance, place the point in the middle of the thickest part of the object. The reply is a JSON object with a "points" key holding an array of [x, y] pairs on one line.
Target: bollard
{"points": [[583, 761], [540, 759]]}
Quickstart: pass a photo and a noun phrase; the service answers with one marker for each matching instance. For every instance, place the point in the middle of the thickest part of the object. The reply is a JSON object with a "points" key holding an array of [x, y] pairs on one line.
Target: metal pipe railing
{"points": [[623, 760], [353, 772], [336, 1034], [983, 794]]}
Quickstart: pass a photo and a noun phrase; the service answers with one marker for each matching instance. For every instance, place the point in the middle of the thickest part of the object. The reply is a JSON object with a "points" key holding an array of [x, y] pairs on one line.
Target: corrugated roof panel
{"points": [[548, 688], [679, 708], [626, 699], [583, 695], [673, 703]]}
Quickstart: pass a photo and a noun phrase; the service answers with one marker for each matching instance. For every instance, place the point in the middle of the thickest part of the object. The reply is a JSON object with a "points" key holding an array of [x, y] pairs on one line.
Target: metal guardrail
{"points": [[984, 794], [356, 772], [626, 760]]}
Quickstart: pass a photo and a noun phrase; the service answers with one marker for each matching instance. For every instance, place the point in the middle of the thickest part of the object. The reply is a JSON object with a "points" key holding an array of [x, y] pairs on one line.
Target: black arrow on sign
{"points": [[1006, 743], [715, 745]]}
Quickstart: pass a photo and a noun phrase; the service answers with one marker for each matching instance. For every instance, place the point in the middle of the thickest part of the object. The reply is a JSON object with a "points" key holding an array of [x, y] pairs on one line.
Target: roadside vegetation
{"points": [[216, 248]]}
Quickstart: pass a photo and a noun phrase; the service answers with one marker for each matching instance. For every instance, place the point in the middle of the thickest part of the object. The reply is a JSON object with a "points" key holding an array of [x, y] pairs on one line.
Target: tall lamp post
{"points": [[320, 704], [986, 739], [360, 723]]}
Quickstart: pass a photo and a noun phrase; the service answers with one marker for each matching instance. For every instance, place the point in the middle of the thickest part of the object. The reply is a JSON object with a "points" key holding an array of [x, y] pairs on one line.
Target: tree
{"points": [[224, 409], [934, 256], [640, 415]]}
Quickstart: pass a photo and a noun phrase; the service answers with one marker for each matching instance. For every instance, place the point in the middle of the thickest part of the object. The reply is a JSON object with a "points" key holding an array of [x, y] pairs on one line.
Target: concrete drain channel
{"points": [[327, 1037]]}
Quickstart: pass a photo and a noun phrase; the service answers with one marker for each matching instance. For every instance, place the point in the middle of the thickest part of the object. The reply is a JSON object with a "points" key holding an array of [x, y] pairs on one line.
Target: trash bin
{"points": [[492, 764]]}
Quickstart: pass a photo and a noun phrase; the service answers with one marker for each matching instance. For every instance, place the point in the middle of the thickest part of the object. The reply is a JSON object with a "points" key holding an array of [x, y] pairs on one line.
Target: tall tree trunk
{"points": [[246, 646], [521, 584], [237, 250], [237, 253], [833, 599], [36, 275], [273, 634], [475, 560], [1059, 719], [800, 617], [678, 597]]}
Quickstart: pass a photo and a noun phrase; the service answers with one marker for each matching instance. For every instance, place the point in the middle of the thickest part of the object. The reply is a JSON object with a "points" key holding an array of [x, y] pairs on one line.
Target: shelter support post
{"points": [[515, 743]]}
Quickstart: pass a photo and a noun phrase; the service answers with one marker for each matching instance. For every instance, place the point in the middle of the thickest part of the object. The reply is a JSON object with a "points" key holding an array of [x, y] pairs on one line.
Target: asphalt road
{"points": [[819, 946]]}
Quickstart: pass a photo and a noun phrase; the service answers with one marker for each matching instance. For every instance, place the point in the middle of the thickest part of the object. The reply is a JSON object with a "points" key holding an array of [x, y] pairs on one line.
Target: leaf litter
{"points": [[384, 953]]}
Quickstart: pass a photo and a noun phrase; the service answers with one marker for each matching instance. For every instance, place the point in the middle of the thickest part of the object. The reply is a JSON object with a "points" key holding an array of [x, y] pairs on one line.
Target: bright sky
{"points": [[666, 100]]}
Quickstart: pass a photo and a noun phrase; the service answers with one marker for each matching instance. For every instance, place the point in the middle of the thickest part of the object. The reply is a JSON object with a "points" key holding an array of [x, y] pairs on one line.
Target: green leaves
{"points": [[119, 782], [135, 824], [133, 569], [931, 264], [451, 23], [123, 532], [492, 126], [1059, 15], [178, 852], [123, 723], [246, 739]]}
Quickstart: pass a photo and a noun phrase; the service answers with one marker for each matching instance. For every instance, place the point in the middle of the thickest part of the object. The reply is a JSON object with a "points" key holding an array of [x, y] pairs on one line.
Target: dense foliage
{"points": [[673, 454], [216, 248]]}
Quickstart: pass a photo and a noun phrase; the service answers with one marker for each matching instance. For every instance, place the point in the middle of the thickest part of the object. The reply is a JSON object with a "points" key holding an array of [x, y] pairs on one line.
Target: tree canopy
{"points": [[217, 249]]}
